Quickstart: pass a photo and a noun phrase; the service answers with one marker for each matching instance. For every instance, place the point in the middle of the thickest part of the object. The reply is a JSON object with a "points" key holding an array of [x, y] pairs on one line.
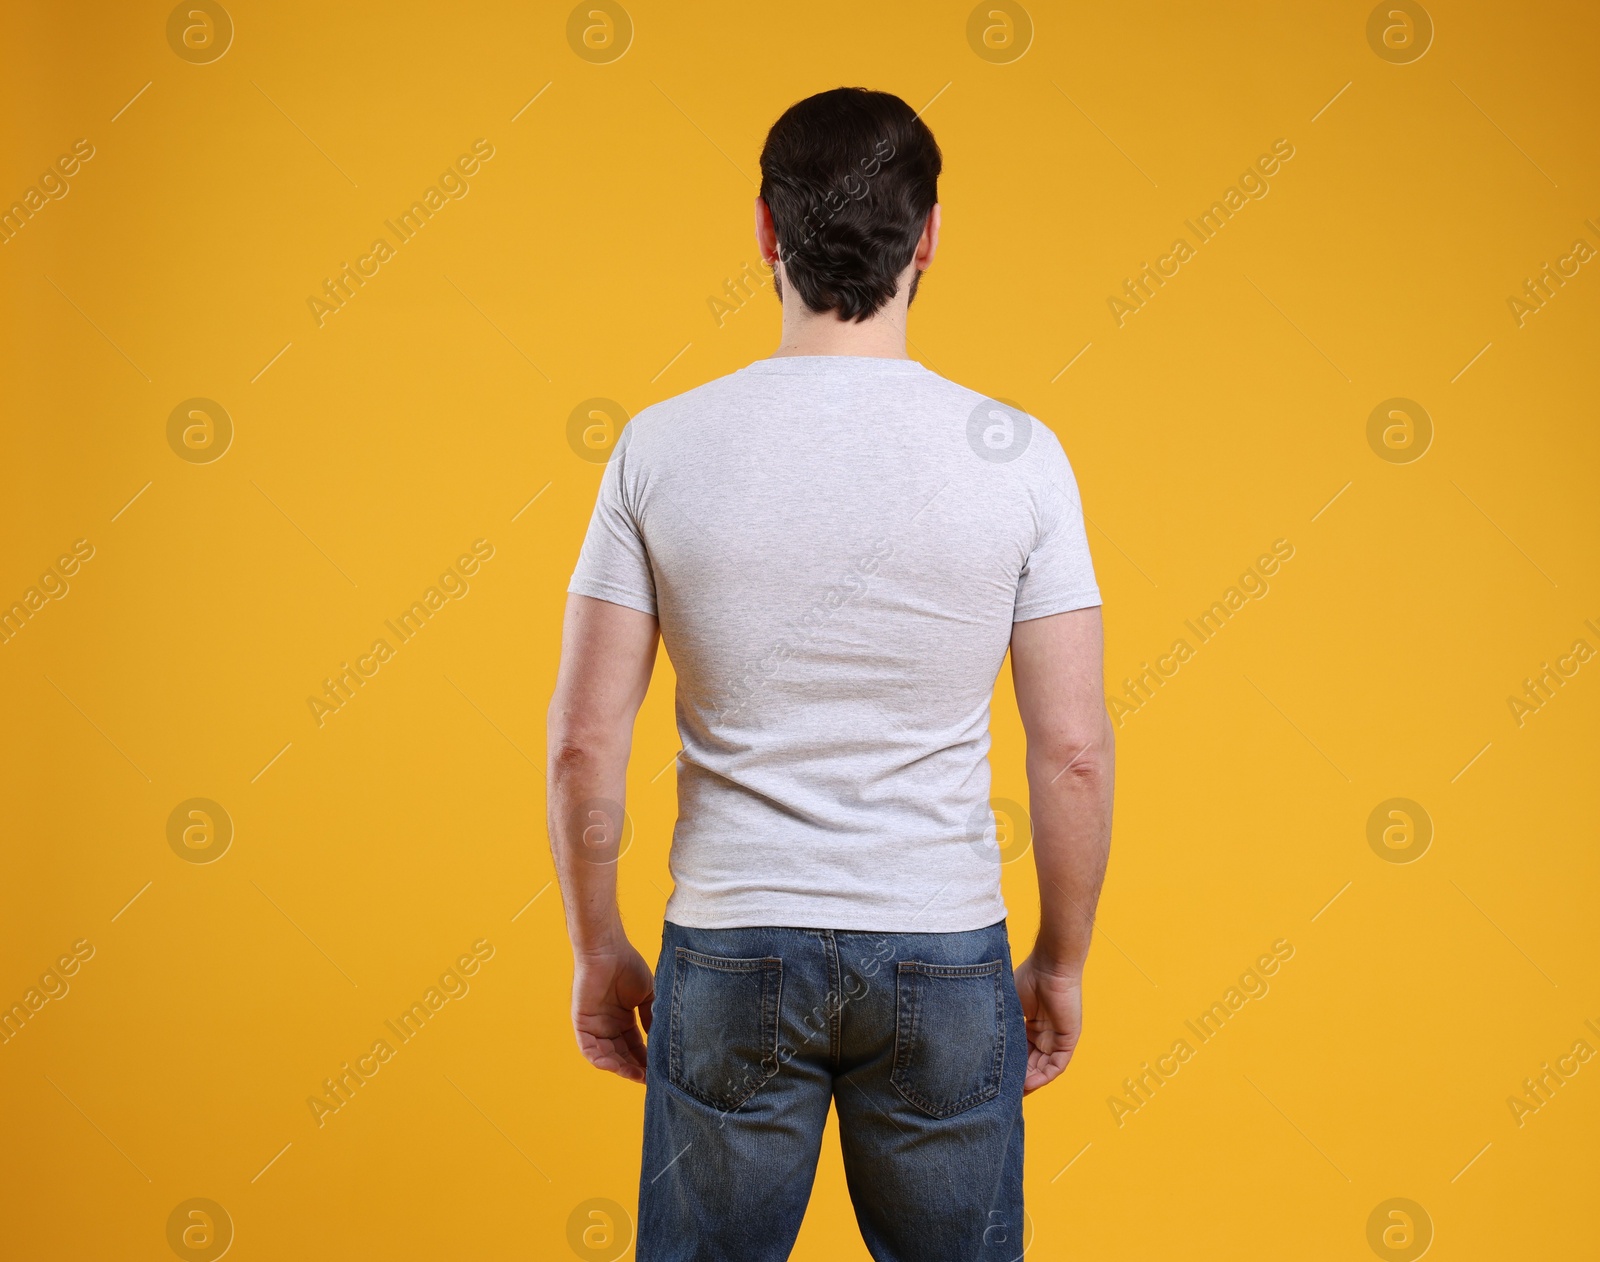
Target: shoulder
{"points": [[1004, 434], [669, 420], [952, 394]]}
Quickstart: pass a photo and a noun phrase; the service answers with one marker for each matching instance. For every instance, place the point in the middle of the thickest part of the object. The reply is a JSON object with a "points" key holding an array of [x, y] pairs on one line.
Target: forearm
{"points": [[586, 787], [1070, 792]]}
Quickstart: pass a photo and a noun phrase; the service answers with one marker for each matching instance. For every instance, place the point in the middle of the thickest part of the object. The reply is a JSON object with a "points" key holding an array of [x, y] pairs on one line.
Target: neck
{"points": [[881, 336]]}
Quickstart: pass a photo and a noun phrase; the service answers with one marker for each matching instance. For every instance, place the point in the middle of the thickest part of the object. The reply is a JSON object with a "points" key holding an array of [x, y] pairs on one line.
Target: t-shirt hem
{"points": [[722, 913], [612, 594], [1087, 598]]}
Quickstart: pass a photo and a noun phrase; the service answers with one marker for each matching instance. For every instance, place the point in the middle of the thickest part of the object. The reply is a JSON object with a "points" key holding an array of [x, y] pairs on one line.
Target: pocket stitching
{"points": [[902, 1058], [728, 964], [771, 1001], [950, 970]]}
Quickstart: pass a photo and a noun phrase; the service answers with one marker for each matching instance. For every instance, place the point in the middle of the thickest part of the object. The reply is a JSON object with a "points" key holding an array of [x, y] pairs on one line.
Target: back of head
{"points": [[849, 176]]}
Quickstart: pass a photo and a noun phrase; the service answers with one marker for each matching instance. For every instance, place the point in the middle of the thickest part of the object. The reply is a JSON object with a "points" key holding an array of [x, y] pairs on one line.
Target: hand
{"points": [[606, 990], [1052, 1002]]}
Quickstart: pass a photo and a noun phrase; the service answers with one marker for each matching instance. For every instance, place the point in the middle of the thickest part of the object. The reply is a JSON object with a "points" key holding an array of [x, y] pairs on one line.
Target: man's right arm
{"points": [[1056, 667]]}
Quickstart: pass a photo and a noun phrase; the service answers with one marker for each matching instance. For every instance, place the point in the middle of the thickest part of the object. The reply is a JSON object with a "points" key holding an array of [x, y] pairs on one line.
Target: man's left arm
{"points": [[607, 654]]}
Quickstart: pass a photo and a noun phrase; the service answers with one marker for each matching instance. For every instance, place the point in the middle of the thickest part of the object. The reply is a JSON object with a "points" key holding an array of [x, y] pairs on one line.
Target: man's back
{"points": [[836, 548]]}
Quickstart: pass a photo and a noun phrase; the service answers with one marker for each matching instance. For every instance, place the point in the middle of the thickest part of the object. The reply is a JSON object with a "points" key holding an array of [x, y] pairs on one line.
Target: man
{"points": [[837, 547]]}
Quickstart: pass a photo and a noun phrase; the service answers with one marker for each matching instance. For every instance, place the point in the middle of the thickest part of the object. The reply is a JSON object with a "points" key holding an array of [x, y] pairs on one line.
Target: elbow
{"points": [[1080, 753], [571, 756], [576, 747]]}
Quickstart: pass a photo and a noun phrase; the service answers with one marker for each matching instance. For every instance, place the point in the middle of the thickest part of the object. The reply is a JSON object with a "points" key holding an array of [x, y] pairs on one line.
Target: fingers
{"points": [[620, 1049], [1050, 1048], [1043, 1069], [1054, 1046], [638, 1054], [622, 1068], [623, 1056]]}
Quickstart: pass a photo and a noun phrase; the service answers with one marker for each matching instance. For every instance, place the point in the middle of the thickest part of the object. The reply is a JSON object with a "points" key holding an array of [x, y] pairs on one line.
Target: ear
{"points": [[766, 234], [928, 242]]}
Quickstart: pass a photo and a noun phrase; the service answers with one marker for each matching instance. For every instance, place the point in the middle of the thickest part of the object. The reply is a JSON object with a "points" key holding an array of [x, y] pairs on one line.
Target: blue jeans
{"points": [[918, 1039]]}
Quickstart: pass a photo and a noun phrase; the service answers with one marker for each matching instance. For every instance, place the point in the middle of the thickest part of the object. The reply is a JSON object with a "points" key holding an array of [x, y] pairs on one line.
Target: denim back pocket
{"points": [[950, 1035], [724, 1035]]}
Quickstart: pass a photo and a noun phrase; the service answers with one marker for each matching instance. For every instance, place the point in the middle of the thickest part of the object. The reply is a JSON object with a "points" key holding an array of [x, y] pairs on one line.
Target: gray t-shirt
{"points": [[836, 548]]}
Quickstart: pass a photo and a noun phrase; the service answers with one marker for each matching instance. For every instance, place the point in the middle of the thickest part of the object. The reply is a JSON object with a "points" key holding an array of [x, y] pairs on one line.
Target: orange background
{"points": [[431, 410]]}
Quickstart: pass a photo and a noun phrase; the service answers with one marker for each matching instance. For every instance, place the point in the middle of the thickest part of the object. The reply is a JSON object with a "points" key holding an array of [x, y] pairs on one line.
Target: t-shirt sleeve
{"points": [[1058, 575], [614, 564]]}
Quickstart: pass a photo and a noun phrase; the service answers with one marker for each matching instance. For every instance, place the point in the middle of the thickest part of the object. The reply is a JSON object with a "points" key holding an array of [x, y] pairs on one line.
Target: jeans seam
{"points": [[673, 1057], [831, 1000], [777, 1028], [998, 1071]]}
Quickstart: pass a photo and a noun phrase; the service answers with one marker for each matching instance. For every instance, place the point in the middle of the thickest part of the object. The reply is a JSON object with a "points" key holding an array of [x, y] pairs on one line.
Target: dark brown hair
{"points": [[849, 176]]}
